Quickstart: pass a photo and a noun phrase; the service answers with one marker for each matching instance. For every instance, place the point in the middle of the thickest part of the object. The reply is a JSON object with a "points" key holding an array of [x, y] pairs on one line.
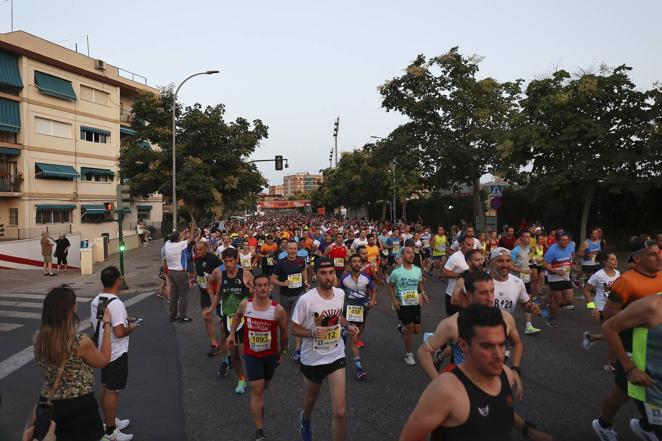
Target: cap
{"points": [[499, 251], [323, 262], [638, 246]]}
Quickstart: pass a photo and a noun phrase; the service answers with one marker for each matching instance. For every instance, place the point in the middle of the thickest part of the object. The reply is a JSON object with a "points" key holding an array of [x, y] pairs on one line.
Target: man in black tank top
{"points": [[475, 400]]}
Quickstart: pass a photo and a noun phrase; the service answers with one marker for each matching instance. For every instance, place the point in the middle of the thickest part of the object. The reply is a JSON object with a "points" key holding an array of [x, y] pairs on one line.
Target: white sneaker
{"points": [[605, 434], [409, 359], [587, 343], [122, 424], [646, 435], [117, 436]]}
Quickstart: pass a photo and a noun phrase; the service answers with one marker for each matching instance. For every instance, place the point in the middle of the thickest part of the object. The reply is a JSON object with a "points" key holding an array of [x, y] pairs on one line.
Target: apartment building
{"points": [[62, 116], [275, 190], [301, 183]]}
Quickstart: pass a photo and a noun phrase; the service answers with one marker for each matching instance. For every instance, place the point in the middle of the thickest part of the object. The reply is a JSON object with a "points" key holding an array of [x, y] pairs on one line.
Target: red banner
{"points": [[282, 204]]}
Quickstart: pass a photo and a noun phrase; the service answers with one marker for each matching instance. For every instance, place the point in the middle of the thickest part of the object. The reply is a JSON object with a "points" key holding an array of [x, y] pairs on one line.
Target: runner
{"points": [[339, 253], [291, 276], [520, 266], [558, 263], [205, 263], [395, 243], [455, 266], [372, 256], [508, 241], [426, 248], [407, 293], [267, 254], [474, 259], [438, 245], [264, 318], [588, 253], [474, 401], [643, 279], [317, 319], [537, 252], [361, 240], [360, 294], [232, 285], [247, 258]]}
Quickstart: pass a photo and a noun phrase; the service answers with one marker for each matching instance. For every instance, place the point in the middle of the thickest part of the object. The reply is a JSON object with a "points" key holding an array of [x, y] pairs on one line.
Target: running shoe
{"points": [[120, 424], [569, 307], [587, 341], [223, 370], [645, 435], [185, 319], [409, 359], [552, 323], [241, 387], [214, 351], [305, 429], [530, 330], [296, 355], [609, 368], [117, 436], [604, 433], [401, 329], [259, 435], [360, 344], [360, 373]]}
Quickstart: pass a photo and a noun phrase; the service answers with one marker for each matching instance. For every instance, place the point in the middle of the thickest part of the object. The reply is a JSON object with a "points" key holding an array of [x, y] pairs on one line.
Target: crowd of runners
{"points": [[302, 286]]}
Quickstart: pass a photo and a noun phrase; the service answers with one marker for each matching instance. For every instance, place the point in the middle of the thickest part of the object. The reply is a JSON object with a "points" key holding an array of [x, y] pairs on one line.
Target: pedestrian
{"points": [[115, 375], [176, 250], [67, 359], [62, 245], [47, 245]]}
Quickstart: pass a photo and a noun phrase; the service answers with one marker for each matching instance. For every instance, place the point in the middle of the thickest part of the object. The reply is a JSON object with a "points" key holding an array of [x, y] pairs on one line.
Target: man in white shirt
{"points": [[176, 256], [115, 374], [454, 267]]}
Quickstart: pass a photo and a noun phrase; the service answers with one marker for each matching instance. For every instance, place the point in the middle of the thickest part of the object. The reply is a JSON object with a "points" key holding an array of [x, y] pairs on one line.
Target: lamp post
{"points": [[174, 156]]}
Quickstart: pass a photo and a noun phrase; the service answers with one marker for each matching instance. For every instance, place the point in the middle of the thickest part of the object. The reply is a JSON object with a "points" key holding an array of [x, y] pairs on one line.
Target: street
{"points": [[174, 394]]}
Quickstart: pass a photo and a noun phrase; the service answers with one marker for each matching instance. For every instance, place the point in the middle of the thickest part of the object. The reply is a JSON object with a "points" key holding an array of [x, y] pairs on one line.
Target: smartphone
{"points": [[43, 415], [138, 321]]}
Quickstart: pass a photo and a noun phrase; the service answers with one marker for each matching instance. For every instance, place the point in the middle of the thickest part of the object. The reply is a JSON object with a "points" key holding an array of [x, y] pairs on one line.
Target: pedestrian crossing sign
{"points": [[496, 190]]}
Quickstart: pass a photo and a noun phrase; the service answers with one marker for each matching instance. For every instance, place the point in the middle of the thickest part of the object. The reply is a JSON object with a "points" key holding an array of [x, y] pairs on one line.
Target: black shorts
{"points": [[62, 260], [288, 302], [561, 285], [450, 308], [115, 374], [527, 285], [318, 373], [260, 368], [620, 379], [535, 267], [205, 300], [226, 328], [410, 314], [77, 419], [590, 269]]}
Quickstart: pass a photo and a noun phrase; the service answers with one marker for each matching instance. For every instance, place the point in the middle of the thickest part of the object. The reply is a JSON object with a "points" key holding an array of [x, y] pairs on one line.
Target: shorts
{"points": [[205, 300], [48, 259], [240, 332], [527, 285], [410, 314], [318, 373], [288, 302], [620, 379], [115, 374], [62, 260], [77, 419], [450, 308], [426, 254], [260, 368], [590, 269], [536, 267], [561, 285]]}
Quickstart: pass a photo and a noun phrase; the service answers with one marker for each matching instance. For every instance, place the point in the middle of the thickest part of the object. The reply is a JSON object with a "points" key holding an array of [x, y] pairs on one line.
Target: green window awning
{"points": [[93, 209], [9, 74], [55, 206], [144, 207], [145, 145], [127, 131], [54, 86], [10, 151], [94, 130], [96, 171], [55, 171], [10, 116]]}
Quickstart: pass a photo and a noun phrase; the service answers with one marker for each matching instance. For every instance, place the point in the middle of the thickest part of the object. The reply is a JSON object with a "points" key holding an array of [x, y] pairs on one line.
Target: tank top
{"points": [[490, 417], [338, 254], [77, 377], [233, 291], [262, 329], [647, 356], [591, 253]]}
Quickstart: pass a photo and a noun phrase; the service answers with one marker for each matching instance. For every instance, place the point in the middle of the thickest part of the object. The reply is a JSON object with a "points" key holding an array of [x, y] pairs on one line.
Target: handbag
{"points": [[43, 412]]}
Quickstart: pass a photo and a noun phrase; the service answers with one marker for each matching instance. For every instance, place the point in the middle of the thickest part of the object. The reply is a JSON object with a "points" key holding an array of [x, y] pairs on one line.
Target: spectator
{"points": [[47, 253], [62, 245], [177, 260]]}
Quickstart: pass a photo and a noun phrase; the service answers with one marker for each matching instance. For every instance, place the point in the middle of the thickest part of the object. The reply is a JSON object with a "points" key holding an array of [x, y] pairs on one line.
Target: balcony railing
{"points": [[10, 184], [125, 117]]}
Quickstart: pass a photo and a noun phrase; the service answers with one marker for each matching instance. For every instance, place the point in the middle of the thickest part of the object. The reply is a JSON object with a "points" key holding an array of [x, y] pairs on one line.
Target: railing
{"points": [[10, 184], [131, 76], [126, 117]]}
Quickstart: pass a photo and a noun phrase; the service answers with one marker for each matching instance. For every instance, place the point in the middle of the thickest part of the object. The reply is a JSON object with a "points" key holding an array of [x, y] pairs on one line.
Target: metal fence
{"points": [[10, 184]]}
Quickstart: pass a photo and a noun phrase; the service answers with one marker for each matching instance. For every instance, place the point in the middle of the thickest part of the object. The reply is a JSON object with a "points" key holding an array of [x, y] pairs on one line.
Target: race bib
{"points": [[259, 341], [441, 247], [654, 414], [354, 313], [245, 261], [396, 249], [385, 252], [202, 281], [410, 298], [329, 341], [228, 321], [566, 269], [260, 243], [591, 259], [339, 262], [270, 261], [526, 277], [295, 280]]}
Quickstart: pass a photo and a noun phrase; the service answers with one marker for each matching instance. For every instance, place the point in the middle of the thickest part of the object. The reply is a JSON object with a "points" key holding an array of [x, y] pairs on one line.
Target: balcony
{"points": [[10, 186], [125, 116]]}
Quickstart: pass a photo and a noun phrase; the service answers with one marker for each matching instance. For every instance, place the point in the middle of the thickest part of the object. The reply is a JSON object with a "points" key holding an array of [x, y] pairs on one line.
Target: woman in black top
{"points": [[62, 245]]}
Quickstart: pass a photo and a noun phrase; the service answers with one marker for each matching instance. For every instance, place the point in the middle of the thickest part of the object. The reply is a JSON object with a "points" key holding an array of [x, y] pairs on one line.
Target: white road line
{"points": [[38, 297], [6, 327], [35, 305], [25, 356], [20, 314]]}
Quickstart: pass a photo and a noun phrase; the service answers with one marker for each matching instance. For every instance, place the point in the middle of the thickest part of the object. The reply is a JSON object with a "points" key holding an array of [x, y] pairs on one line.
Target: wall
{"points": [[26, 254]]}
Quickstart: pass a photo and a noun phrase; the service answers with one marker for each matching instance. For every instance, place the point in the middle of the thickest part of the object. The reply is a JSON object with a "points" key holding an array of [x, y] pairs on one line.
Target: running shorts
{"points": [[410, 314], [261, 368], [561, 285], [318, 373]]}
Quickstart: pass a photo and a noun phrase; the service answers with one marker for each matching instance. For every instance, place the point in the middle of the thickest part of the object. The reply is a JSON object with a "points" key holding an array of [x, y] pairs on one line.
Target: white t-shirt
{"points": [[173, 255], [458, 265], [509, 293], [602, 282], [311, 311], [358, 242], [118, 315], [221, 248], [455, 246]]}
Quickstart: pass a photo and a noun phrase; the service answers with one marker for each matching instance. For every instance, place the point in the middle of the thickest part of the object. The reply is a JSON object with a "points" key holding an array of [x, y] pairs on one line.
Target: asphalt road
{"points": [[174, 394]]}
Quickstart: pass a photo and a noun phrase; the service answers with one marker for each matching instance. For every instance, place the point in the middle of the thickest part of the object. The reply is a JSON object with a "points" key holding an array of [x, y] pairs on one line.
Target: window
{"points": [[94, 95], [52, 128], [91, 177], [10, 137], [53, 216], [13, 216], [143, 214], [93, 135]]}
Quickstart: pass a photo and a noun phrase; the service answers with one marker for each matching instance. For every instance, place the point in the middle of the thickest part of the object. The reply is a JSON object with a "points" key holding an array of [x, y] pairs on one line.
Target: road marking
{"points": [[6, 327], [25, 356], [38, 297], [35, 305], [20, 314]]}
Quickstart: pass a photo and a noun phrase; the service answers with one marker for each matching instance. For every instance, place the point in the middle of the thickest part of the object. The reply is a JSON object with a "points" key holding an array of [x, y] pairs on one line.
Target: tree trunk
{"points": [[383, 210], [479, 213], [404, 210], [588, 199]]}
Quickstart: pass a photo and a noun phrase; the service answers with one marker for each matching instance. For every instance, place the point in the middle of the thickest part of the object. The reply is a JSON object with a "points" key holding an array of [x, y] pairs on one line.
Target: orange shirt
{"points": [[268, 249], [632, 286]]}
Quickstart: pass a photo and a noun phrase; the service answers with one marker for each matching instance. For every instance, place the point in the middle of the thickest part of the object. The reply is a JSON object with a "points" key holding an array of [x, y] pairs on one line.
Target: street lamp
{"points": [[174, 156]]}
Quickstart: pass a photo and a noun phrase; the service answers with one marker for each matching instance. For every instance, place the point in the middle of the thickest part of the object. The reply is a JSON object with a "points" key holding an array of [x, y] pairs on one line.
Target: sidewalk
{"points": [[141, 268]]}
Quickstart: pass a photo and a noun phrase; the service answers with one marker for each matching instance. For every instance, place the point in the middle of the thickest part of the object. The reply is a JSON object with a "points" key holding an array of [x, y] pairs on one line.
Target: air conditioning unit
{"points": [[100, 64]]}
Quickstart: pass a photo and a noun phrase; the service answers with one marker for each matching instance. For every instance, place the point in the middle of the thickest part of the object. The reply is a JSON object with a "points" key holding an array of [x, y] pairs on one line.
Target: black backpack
{"points": [[95, 336]]}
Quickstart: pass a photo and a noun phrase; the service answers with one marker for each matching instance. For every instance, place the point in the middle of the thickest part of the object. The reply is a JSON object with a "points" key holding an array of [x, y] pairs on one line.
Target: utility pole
{"points": [[336, 126], [123, 203]]}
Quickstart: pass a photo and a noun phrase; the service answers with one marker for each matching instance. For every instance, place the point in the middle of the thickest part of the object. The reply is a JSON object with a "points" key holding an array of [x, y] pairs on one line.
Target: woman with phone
{"points": [[67, 359]]}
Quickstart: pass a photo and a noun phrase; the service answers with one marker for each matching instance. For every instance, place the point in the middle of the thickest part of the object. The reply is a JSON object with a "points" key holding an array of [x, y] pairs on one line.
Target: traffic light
{"points": [[279, 162], [123, 198], [108, 206], [122, 247], [335, 127]]}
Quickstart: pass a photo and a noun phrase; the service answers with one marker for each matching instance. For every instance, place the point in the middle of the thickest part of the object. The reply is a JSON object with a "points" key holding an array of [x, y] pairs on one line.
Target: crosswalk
{"points": [[18, 310]]}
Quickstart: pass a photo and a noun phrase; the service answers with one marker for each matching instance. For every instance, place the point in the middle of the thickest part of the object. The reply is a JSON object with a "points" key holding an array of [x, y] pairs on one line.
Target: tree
{"points": [[594, 130], [212, 172], [457, 122]]}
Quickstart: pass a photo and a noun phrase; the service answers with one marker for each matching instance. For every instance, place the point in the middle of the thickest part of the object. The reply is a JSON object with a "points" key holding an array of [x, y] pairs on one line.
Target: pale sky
{"points": [[297, 65]]}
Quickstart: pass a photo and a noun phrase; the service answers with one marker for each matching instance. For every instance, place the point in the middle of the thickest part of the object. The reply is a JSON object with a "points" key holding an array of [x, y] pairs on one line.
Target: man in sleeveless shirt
{"points": [[474, 401]]}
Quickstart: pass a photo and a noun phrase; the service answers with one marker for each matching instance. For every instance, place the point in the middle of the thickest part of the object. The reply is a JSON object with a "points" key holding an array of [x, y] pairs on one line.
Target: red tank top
{"points": [[261, 331], [337, 253]]}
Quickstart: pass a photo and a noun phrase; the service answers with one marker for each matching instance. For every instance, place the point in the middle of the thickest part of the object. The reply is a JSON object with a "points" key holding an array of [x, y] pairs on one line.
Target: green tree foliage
{"points": [[212, 172], [578, 134], [457, 122]]}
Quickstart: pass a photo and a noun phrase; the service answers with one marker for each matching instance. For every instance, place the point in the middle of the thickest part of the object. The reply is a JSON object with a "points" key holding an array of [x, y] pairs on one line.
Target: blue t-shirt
{"points": [[282, 255], [560, 259], [305, 254], [406, 282]]}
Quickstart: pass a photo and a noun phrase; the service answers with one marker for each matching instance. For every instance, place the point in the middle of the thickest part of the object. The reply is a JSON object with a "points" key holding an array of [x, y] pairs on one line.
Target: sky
{"points": [[297, 65]]}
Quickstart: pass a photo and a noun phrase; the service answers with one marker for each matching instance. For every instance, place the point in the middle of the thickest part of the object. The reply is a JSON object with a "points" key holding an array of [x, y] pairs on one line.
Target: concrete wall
{"points": [[26, 254]]}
